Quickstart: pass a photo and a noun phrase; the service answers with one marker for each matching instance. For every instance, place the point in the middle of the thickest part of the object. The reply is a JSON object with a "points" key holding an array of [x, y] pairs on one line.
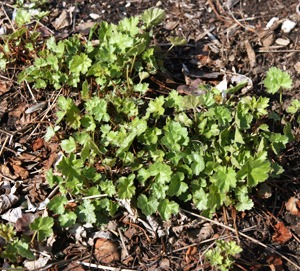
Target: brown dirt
{"points": [[188, 236]]}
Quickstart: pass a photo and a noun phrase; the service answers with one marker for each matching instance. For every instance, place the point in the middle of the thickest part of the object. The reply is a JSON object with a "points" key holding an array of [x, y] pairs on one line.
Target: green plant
{"points": [[21, 46], [212, 157], [14, 249], [221, 257], [277, 80], [118, 64], [42, 228]]}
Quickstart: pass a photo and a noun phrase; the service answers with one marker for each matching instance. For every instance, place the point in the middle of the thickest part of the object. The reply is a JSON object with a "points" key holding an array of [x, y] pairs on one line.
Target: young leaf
{"points": [[108, 187], [153, 16], [156, 107], [177, 186], [85, 91], [200, 199], [23, 250], [67, 219], [68, 145], [162, 172], [126, 188], [277, 79], [51, 132], [225, 179], [166, 208], [97, 107], [43, 227], [191, 102], [88, 123], [57, 204], [53, 179], [295, 105], [178, 41], [141, 88], [174, 99], [22, 17], [80, 63], [278, 142], [7, 232], [148, 206], [129, 25], [158, 190], [175, 136], [255, 170], [85, 212]]}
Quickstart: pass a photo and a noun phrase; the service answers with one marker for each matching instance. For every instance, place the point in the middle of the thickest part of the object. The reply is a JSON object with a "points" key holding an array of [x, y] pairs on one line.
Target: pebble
{"points": [[283, 42], [297, 67], [287, 26], [94, 16], [159, 3], [271, 22]]}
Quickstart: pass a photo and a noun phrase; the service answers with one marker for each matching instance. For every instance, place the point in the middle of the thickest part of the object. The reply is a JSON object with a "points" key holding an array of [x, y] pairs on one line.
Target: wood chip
{"points": [[251, 54], [283, 42]]}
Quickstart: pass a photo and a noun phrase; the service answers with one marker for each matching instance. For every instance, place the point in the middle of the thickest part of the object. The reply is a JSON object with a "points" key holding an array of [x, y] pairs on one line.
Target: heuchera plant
{"points": [[210, 157]]}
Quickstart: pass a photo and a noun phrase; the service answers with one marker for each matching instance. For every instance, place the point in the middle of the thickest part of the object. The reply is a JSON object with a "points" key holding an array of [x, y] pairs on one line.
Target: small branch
{"points": [[90, 197], [98, 266]]}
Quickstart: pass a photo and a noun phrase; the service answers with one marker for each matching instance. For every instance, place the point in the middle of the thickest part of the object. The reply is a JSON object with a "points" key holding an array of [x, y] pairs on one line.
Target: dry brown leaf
{"points": [[275, 262], [84, 28], [71, 206], [3, 107], [265, 191], [7, 201], [165, 264], [20, 172], [37, 144], [4, 170], [22, 223], [17, 111], [282, 233], [26, 157], [251, 54], [4, 87], [106, 251], [131, 232], [50, 161], [205, 232], [75, 267], [189, 254], [293, 205]]}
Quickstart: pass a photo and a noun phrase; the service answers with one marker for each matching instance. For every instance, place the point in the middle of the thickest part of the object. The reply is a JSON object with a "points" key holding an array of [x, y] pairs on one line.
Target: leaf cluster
{"points": [[119, 63], [14, 248], [221, 257], [211, 157]]}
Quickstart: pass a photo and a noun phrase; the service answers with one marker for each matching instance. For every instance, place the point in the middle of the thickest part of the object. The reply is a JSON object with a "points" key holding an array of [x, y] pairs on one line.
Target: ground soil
{"points": [[237, 42]]}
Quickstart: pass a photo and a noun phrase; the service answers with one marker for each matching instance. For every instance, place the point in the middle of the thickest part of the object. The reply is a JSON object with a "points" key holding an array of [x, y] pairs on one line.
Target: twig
{"points": [[236, 21], [244, 235], [53, 192], [123, 243], [30, 91], [36, 21], [5, 142], [8, 18], [50, 107], [13, 181], [263, 50], [216, 12], [98, 266], [200, 243], [90, 197]]}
